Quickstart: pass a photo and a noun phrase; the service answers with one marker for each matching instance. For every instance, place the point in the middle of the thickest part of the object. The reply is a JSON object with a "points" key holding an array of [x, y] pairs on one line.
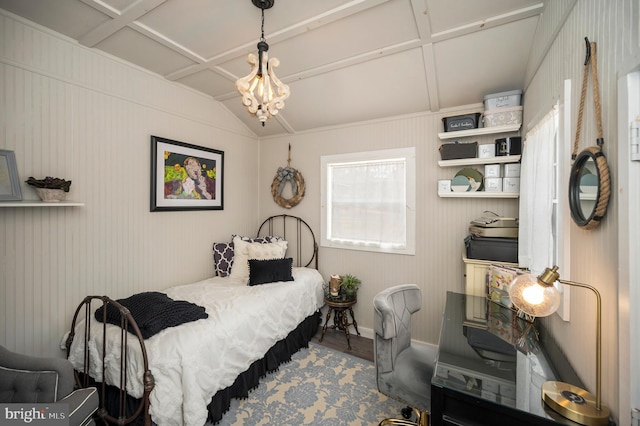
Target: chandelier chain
{"points": [[262, 26]]}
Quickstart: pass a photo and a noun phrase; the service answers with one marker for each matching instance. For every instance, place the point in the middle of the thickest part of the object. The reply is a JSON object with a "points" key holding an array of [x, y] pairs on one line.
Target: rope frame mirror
{"points": [[588, 208], [284, 176], [590, 180]]}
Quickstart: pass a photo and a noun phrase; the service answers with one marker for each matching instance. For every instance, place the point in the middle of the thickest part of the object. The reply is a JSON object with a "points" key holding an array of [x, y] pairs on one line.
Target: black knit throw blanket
{"points": [[153, 312]]}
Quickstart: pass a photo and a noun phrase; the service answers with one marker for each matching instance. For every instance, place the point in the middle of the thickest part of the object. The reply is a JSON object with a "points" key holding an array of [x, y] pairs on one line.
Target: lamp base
{"points": [[574, 403]]}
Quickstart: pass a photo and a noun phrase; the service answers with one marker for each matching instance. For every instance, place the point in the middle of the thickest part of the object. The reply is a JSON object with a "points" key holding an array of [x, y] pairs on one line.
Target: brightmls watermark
{"points": [[34, 414]]}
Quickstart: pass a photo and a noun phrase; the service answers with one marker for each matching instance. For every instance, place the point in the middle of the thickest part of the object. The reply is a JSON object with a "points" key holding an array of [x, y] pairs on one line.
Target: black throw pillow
{"points": [[270, 271]]}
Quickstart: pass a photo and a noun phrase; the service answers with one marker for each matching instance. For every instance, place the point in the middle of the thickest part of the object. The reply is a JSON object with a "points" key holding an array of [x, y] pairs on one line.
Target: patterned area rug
{"points": [[319, 386]]}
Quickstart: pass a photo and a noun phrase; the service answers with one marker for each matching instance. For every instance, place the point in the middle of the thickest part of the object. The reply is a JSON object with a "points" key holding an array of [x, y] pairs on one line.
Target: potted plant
{"points": [[50, 189], [349, 285]]}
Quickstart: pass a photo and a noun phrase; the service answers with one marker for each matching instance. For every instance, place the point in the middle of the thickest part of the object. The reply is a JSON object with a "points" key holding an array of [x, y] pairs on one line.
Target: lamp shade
{"points": [[533, 296]]}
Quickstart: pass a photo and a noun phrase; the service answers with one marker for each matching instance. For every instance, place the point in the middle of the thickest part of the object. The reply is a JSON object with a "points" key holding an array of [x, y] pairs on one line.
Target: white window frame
{"points": [[563, 217], [409, 156]]}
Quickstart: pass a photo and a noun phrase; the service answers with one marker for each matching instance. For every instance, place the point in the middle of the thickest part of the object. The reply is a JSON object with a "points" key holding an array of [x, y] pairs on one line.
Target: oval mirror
{"points": [[589, 188]]}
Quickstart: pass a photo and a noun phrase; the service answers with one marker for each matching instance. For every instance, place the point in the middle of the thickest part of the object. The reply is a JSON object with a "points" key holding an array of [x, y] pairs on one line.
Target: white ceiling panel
{"points": [[337, 42], [210, 30], [344, 60], [210, 82], [118, 5], [479, 67], [136, 48], [445, 15], [69, 17], [388, 86]]}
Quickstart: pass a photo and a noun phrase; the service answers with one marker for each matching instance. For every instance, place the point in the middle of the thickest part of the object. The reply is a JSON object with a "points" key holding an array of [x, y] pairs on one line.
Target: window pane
{"points": [[368, 201]]}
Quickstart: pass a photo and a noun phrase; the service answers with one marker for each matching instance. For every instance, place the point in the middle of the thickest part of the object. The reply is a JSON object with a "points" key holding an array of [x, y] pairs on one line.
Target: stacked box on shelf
{"points": [[502, 109], [457, 150], [461, 122]]}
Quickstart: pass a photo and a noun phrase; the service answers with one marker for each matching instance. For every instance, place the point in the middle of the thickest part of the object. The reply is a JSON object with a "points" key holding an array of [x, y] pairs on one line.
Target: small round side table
{"points": [[339, 309]]}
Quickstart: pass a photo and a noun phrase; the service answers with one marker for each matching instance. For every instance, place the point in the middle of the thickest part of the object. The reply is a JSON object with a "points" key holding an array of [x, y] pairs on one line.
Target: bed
{"points": [[178, 356]]}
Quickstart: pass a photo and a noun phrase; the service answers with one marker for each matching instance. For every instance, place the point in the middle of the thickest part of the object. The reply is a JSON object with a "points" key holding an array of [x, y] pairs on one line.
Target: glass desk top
{"points": [[488, 352]]}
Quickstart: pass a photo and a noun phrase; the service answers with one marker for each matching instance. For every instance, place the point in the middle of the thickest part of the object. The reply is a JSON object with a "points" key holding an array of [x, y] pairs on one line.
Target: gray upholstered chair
{"points": [[34, 380], [403, 370]]}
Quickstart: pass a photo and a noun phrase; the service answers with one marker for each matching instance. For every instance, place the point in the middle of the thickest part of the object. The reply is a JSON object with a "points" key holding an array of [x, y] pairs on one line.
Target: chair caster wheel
{"points": [[407, 412]]}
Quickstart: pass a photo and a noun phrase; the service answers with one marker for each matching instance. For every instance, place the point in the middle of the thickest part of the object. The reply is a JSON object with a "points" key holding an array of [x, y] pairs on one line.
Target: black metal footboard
{"points": [[122, 414]]}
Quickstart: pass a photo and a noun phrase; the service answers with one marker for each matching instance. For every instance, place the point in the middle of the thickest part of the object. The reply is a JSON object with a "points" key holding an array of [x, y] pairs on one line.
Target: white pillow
{"points": [[274, 250], [243, 251]]}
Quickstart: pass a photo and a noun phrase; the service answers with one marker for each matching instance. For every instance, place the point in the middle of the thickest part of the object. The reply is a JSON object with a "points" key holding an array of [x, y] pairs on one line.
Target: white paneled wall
{"points": [[442, 223], [594, 258], [71, 112]]}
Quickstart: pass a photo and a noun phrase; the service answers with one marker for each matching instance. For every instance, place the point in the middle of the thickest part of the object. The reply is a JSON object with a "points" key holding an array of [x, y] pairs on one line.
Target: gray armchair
{"points": [[33, 380], [403, 370]]}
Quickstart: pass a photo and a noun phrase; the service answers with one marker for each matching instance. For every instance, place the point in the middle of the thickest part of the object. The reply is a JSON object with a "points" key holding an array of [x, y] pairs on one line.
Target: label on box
{"points": [[493, 184], [512, 170], [492, 171], [486, 150], [511, 184], [444, 185]]}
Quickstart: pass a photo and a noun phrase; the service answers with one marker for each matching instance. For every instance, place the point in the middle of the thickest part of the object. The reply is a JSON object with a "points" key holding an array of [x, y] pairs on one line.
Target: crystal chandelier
{"points": [[259, 95]]}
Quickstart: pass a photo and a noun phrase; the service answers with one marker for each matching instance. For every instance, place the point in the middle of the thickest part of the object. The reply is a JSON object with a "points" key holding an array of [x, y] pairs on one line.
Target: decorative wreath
{"points": [[292, 176], [284, 176]]}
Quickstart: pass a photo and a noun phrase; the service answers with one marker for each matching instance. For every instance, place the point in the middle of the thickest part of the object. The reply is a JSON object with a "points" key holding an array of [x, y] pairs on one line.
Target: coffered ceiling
{"points": [[344, 61]]}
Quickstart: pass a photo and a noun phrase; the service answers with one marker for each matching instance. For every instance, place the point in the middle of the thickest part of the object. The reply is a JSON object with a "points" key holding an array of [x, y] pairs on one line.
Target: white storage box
{"points": [[493, 184], [486, 150], [512, 170], [510, 184], [444, 185], [492, 171], [502, 116], [508, 99]]}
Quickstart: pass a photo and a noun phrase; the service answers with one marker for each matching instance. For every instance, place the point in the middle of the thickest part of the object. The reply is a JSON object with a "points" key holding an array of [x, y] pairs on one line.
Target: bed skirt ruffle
{"points": [[279, 353]]}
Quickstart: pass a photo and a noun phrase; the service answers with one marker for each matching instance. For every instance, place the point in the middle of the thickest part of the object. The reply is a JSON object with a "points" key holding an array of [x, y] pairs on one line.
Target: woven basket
{"points": [[51, 195]]}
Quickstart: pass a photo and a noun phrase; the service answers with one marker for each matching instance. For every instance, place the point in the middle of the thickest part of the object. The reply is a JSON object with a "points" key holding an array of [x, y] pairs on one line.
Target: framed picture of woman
{"points": [[185, 176]]}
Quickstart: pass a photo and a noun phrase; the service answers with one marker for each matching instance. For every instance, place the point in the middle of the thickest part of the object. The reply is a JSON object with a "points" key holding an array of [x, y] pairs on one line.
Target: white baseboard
{"points": [[369, 333]]}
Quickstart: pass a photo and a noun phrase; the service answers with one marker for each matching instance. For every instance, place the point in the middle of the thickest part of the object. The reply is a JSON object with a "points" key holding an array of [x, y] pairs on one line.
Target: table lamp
{"points": [[539, 297]]}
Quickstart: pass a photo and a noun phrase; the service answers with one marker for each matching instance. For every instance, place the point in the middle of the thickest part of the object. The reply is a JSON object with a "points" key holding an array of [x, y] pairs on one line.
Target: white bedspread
{"points": [[190, 363]]}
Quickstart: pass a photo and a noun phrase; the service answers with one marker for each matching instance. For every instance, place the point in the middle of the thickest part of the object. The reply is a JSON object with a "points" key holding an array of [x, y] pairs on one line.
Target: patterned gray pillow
{"points": [[222, 258], [223, 253]]}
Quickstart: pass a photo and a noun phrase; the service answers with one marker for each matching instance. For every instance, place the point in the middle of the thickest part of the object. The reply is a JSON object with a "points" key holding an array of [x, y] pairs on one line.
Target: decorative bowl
{"points": [[48, 195]]}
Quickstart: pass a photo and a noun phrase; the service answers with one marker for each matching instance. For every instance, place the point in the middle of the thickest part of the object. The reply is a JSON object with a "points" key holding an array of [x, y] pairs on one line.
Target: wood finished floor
{"points": [[361, 347]]}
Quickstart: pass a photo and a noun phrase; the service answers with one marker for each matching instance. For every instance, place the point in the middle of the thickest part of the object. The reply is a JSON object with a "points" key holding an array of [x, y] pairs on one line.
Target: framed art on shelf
{"points": [[185, 176], [9, 181]]}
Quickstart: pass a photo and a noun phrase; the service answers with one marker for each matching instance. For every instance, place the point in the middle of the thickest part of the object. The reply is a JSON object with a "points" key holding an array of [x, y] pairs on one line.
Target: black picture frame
{"points": [[185, 176], [9, 180]]}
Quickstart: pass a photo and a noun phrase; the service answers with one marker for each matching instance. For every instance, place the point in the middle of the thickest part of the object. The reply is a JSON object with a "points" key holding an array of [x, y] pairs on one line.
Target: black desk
{"points": [[491, 366]]}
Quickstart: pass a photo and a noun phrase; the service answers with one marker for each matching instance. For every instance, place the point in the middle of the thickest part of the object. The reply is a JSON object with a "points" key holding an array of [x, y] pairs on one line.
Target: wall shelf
{"points": [[478, 194], [502, 159], [38, 203], [479, 132], [473, 161]]}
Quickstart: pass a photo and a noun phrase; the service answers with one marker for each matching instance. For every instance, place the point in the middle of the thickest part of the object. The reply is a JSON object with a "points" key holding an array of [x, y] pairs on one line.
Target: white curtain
{"points": [[368, 202], [537, 183]]}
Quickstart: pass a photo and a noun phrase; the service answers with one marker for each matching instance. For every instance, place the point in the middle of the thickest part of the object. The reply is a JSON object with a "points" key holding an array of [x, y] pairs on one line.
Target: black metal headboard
{"points": [[302, 245]]}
